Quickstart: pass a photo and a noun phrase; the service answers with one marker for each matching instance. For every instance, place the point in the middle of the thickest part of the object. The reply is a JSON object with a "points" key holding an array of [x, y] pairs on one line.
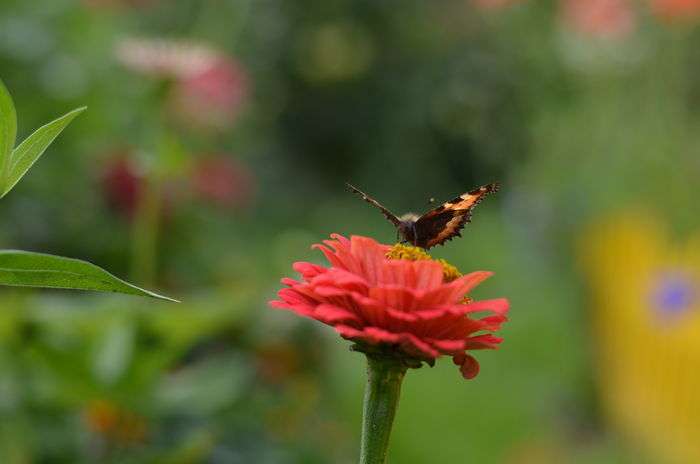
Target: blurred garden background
{"points": [[218, 137]]}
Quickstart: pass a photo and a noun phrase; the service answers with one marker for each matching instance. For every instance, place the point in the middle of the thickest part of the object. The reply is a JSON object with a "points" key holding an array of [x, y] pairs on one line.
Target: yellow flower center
{"points": [[413, 253]]}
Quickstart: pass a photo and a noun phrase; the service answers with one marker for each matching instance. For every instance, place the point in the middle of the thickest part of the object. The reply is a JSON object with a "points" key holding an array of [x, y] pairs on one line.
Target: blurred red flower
{"points": [[676, 9], [407, 307], [223, 181], [122, 184], [612, 19]]}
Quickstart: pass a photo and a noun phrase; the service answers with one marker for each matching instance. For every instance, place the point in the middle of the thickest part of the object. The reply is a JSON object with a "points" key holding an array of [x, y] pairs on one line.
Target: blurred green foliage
{"points": [[408, 100]]}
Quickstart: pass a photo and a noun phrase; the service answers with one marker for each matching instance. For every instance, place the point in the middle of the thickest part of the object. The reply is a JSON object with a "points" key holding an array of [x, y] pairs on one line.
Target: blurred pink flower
{"points": [[222, 181], [122, 184], [209, 88], [212, 98], [675, 10], [609, 19]]}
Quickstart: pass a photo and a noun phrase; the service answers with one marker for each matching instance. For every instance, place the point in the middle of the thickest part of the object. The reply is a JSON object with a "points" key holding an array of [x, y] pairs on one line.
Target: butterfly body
{"points": [[437, 225]]}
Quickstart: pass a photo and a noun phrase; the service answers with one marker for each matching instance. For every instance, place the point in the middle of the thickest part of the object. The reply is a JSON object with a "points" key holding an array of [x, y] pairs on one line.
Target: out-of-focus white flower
{"points": [[166, 58]]}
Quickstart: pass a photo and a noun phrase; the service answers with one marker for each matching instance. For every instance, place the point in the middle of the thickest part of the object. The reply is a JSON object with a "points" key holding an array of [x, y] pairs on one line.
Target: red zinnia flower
{"points": [[409, 308]]}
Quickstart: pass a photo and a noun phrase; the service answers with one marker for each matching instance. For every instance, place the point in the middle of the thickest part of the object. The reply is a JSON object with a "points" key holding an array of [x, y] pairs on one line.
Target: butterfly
{"points": [[437, 225]]}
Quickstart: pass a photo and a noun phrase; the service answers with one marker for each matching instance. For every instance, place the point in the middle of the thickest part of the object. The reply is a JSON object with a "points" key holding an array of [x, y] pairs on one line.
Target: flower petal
{"points": [[483, 342], [330, 314], [497, 305], [468, 365], [308, 270], [449, 346]]}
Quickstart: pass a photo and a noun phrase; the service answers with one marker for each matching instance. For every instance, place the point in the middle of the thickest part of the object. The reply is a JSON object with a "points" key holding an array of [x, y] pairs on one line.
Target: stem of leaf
{"points": [[384, 377]]}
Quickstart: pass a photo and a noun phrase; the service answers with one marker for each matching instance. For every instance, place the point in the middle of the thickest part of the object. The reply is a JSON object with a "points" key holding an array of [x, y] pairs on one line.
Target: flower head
{"points": [[412, 309], [209, 86], [494, 4], [166, 58], [115, 424], [214, 97], [122, 183], [606, 19], [676, 10], [222, 181]]}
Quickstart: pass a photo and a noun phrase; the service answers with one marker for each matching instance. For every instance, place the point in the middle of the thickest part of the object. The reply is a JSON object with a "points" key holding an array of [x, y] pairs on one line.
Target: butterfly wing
{"points": [[389, 215], [447, 220]]}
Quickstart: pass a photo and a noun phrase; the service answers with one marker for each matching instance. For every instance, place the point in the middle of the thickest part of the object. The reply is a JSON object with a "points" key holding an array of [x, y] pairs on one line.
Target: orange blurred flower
{"points": [[112, 423], [674, 10]]}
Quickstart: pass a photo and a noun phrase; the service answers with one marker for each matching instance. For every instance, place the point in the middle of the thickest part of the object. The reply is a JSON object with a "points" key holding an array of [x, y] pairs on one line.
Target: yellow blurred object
{"points": [[646, 320]]}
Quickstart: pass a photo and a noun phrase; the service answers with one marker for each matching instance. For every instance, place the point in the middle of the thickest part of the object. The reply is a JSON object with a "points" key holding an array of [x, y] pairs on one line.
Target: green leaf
{"points": [[8, 126], [26, 154], [27, 269]]}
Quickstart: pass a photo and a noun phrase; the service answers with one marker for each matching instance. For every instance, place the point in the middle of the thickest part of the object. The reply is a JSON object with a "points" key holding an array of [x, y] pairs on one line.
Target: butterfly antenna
{"points": [[388, 214]]}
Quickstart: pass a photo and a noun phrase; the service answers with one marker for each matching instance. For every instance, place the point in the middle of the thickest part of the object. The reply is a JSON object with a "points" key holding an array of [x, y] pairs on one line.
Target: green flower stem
{"points": [[384, 378], [145, 230]]}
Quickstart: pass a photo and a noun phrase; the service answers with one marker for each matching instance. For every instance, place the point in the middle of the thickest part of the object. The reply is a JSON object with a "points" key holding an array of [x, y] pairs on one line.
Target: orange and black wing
{"points": [[447, 220], [389, 215]]}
